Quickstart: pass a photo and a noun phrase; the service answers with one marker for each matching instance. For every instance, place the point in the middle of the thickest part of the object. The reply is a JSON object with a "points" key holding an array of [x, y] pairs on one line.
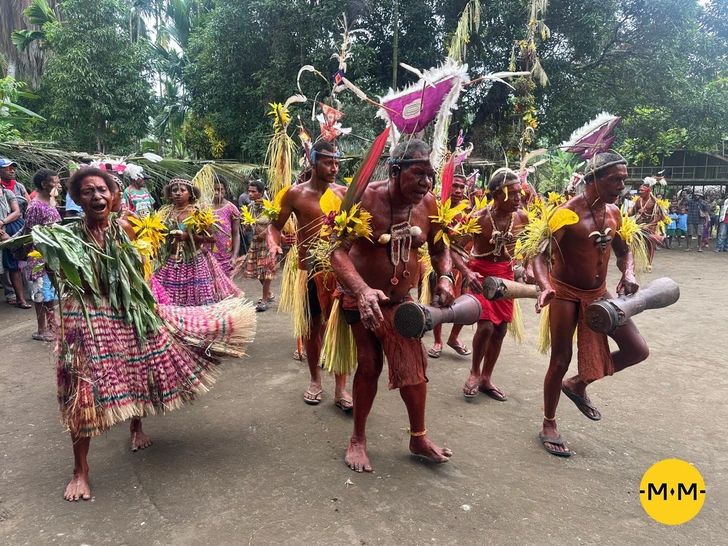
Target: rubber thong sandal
{"points": [[434, 353], [261, 306], [470, 391], [460, 349], [316, 400], [24, 305], [582, 404], [344, 404], [495, 393], [558, 441]]}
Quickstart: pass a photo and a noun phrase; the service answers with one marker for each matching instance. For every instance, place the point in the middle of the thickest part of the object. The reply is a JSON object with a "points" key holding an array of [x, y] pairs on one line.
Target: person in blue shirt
{"points": [[682, 225], [672, 228]]}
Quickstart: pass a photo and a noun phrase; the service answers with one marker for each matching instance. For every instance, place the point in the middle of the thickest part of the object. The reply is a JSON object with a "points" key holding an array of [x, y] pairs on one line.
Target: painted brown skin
{"points": [[364, 268], [96, 200], [303, 201], [488, 338], [457, 193], [644, 213], [576, 263]]}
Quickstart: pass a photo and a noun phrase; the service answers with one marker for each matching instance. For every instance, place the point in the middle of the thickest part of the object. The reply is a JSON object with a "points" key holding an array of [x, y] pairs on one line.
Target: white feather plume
{"points": [[588, 128]]}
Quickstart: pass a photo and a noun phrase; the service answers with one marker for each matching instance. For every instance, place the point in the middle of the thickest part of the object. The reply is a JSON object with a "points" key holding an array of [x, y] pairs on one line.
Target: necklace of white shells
{"points": [[400, 243]]}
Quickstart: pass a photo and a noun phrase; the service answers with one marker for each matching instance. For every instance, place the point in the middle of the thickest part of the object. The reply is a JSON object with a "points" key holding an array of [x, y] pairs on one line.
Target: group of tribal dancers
{"points": [[115, 367]]}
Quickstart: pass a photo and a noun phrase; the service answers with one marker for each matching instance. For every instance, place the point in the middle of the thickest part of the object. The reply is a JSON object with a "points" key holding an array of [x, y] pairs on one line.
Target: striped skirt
{"points": [[108, 375], [197, 281]]}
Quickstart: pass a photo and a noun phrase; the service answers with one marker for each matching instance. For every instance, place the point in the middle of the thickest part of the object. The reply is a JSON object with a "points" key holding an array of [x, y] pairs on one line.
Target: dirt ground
{"points": [[250, 464]]}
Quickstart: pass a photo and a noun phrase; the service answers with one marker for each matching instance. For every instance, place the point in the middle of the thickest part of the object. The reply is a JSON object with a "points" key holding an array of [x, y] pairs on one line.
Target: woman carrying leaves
{"points": [[120, 355], [189, 273]]}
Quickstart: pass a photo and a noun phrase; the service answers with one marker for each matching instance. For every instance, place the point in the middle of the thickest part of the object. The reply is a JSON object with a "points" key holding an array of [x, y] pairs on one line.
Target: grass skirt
{"points": [[197, 281], [106, 375]]}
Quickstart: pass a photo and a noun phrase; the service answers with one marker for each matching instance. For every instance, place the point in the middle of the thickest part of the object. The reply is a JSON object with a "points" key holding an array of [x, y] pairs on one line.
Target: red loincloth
{"points": [[406, 358], [593, 355], [500, 310]]}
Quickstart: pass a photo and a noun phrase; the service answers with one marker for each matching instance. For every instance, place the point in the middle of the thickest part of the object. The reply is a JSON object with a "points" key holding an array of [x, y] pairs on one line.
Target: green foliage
{"points": [[95, 82], [16, 121]]}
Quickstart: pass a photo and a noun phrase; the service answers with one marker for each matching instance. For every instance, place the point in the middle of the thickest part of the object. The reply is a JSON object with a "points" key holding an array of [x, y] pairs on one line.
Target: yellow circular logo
{"points": [[672, 492]]}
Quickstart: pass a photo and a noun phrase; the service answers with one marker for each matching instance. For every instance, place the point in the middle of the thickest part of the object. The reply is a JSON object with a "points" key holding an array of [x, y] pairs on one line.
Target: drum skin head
{"points": [[410, 319]]}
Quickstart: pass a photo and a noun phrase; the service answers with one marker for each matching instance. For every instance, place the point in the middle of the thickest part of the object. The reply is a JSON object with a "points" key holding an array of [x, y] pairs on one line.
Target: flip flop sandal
{"points": [[582, 404], [460, 349], [470, 388], [558, 441], [434, 353], [270, 299], [495, 394], [344, 404], [313, 401], [12, 302], [261, 306], [25, 305], [299, 357]]}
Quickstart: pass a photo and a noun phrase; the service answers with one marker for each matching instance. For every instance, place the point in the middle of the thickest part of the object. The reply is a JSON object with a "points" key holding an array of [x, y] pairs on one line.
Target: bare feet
{"points": [[139, 440], [356, 456], [78, 488], [422, 446], [556, 446]]}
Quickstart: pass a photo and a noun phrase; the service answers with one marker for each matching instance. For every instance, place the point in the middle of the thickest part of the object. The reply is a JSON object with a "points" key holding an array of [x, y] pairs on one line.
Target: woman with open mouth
{"points": [[121, 355]]}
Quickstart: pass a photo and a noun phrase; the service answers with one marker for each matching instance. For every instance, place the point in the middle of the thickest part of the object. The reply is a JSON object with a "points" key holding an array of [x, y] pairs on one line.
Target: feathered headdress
{"points": [[594, 137]]}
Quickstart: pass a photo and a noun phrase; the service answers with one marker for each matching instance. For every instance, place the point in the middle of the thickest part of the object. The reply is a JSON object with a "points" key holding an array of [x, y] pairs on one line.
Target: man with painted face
{"points": [[459, 256], [376, 277], [572, 273], [303, 201], [493, 255]]}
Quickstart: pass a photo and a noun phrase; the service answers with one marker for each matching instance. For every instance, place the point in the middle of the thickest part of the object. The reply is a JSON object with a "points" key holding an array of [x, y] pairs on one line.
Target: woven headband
{"points": [[315, 154], [180, 181]]}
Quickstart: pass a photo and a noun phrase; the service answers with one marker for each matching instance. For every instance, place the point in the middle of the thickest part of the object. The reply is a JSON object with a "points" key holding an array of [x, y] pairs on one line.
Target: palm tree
{"points": [[26, 64]]}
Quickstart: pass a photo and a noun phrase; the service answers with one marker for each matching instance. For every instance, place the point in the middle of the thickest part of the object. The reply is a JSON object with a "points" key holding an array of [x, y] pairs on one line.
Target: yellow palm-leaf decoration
{"points": [[561, 218], [330, 202], [34, 254], [150, 229], [479, 203], [554, 198], [445, 217], [247, 216], [281, 149], [634, 237], [544, 220], [202, 221], [204, 180], [148, 253], [278, 199]]}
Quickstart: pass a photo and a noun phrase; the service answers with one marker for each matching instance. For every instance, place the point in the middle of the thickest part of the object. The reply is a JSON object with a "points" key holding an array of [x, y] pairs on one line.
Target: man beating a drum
{"points": [[572, 273]]}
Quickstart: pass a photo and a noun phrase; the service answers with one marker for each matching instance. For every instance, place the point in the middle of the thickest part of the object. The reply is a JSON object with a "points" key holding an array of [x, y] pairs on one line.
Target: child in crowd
{"points": [[672, 228], [682, 225]]}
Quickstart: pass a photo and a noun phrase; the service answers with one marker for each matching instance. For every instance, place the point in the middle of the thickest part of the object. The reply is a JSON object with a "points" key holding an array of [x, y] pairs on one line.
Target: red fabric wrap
{"points": [[593, 355], [500, 310], [406, 358]]}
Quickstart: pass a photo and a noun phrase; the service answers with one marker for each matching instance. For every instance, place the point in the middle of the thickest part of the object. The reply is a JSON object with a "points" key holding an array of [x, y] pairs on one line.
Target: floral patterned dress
{"points": [[223, 247], [39, 214]]}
